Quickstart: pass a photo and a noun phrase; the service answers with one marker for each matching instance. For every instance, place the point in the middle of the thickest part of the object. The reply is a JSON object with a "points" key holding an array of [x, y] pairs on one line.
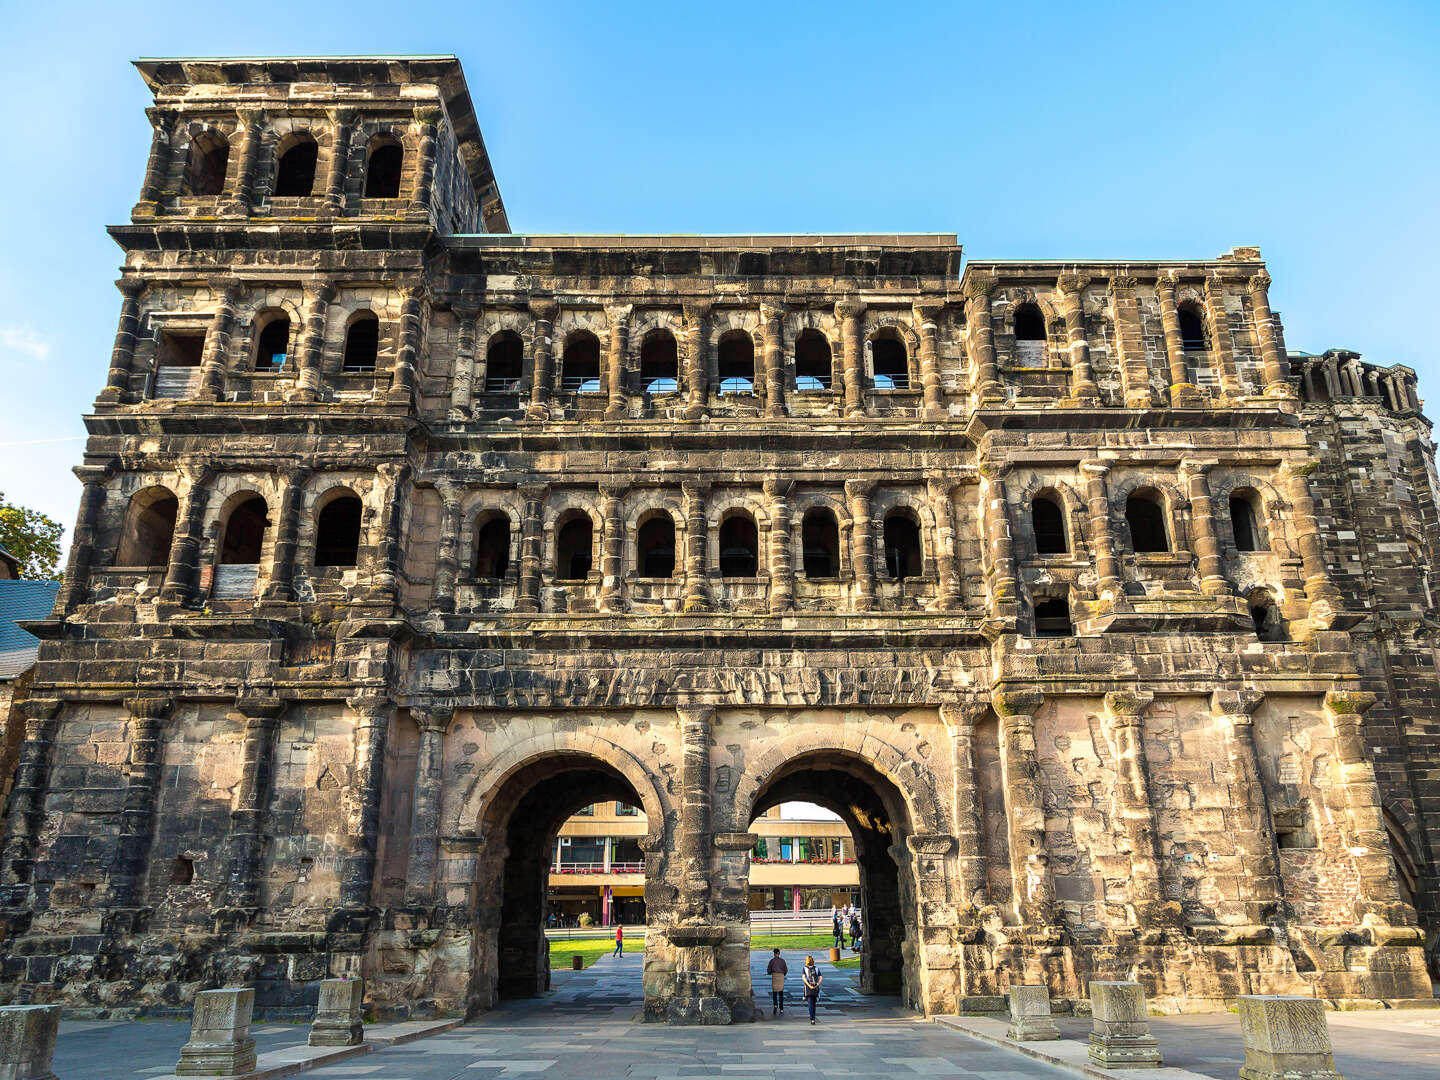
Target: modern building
{"points": [[20, 601]]}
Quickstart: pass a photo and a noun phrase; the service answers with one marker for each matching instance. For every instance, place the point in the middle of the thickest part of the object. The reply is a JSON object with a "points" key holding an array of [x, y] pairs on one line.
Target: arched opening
{"points": [[1052, 617], [295, 168], [1266, 617], [383, 169], [580, 364], [659, 363], [337, 531], [1244, 521], [573, 547], [1049, 525], [902, 545], [889, 362], [655, 547], [739, 547], [820, 544], [737, 363], [600, 841], [813, 362], [1407, 859], [1029, 323], [362, 344], [240, 545], [492, 548], [504, 359], [149, 528], [1192, 329], [1146, 522], [209, 158], [272, 347]]}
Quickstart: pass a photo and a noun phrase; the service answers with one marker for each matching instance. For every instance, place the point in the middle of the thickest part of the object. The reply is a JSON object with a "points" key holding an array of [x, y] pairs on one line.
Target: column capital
{"points": [[1123, 283], [40, 708], [161, 118], [534, 491], [131, 287], [859, 489], [248, 115], [960, 717], [368, 704], [414, 293], [1166, 280], [1237, 704], [321, 289], [1193, 467], [1259, 283], [1128, 704], [942, 487], [694, 489], [849, 309], [695, 310], [1009, 703], [543, 309], [618, 312], [614, 489], [994, 472], [266, 709], [1072, 285], [772, 309], [1096, 468], [199, 473], [150, 707], [979, 286], [94, 474], [392, 470], [427, 115], [432, 719], [340, 115], [451, 492], [465, 311], [927, 311], [1302, 468], [696, 718], [1351, 704], [778, 487], [227, 286]]}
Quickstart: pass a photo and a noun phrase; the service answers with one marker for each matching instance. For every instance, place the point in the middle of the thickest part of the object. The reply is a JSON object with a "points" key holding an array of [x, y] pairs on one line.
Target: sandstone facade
{"points": [[1103, 624]]}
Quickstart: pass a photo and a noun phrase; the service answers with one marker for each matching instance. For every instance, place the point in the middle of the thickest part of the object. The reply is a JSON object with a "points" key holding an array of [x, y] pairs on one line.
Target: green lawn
{"points": [[591, 949], [816, 944]]}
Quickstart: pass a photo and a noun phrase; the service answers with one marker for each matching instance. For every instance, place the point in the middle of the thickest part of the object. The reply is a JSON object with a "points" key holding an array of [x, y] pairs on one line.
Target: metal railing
{"points": [[597, 868]]}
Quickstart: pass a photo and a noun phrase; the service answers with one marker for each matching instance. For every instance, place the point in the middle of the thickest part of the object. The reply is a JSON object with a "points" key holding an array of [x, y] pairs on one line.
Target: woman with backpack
{"points": [[812, 979]]}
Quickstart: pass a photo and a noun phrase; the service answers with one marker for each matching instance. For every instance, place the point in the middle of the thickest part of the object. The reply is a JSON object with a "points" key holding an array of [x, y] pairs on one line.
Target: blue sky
{"points": [[1040, 130]]}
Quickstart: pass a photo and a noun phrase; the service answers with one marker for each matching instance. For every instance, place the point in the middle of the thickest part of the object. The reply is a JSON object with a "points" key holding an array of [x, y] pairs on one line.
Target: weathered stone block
{"points": [[1286, 1038], [1030, 1019], [338, 1014], [1120, 1038], [220, 1042], [27, 1041]]}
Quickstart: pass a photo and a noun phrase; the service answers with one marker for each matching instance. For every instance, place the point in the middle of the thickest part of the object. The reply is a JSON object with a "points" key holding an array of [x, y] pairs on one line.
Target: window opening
{"points": [[655, 547], [1192, 329], [244, 533], [737, 363], [149, 529], [902, 547], [362, 345], [820, 544], [209, 158], [623, 809], [813, 362], [580, 367], [504, 358], [1269, 625], [182, 871], [382, 172], [492, 549], [1049, 525], [1242, 519], [295, 171], [1147, 524], [1029, 323], [572, 549], [1052, 618], [337, 532], [659, 363], [739, 544], [889, 362], [271, 353]]}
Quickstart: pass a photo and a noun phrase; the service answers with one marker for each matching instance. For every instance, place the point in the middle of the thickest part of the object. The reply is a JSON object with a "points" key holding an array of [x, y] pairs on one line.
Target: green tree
{"points": [[33, 539]]}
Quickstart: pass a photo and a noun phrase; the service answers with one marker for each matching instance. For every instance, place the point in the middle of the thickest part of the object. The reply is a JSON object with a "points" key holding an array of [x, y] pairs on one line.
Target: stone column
{"points": [[82, 543], [1134, 810], [341, 124], [1259, 873], [985, 385], [318, 295], [1110, 584], [782, 569], [447, 559], [852, 359], [252, 801], [362, 799], [960, 722], [1320, 592], [995, 512], [217, 341], [612, 546], [338, 1013], [462, 386], [697, 584], [1072, 307], [1120, 1037], [426, 119], [287, 537], [137, 819], [1277, 384], [927, 317], [618, 317], [1034, 888], [425, 808], [947, 562], [402, 380], [27, 1041], [122, 354], [1221, 342], [1183, 393], [1286, 1038], [697, 342], [385, 578], [27, 800], [532, 544], [220, 1041], [1129, 345], [862, 542], [693, 841], [1213, 581], [157, 167], [181, 585], [772, 318], [251, 125], [543, 313]]}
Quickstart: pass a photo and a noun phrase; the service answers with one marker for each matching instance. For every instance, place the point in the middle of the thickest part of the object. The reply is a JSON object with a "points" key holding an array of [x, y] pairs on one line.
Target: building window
{"points": [[1147, 523], [737, 363], [244, 533], [273, 346], [626, 810], [889, 362], [295, 168], [1269, 625], [586, 811], [209, 158], [902, 546], [572, 548], [1052, 617], [1192, 329], [504, 358], [659, 363], [1243, 522], [382, 170], [492, 548], [820, 544], [655, 547], [337, 531], [1029, 323], [739, 545], [580, 366], [813, 362], [149, 529], [362, 344], [1049, 526]]}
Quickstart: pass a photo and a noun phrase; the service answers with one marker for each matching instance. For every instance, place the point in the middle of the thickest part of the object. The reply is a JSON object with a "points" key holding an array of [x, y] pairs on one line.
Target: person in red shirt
{"points": [[619, 940]]}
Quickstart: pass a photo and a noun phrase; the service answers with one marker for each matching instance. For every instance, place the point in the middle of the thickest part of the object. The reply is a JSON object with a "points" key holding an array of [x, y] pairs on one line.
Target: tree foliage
{"points": [[33, 539]]}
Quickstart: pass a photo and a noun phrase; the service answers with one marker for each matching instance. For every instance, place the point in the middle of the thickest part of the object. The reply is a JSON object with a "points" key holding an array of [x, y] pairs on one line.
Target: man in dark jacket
{"points": [[777, 970]]}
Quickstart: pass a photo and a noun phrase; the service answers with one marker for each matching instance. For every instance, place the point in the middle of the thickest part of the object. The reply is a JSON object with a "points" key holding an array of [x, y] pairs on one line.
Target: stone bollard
{"points": [[220, 1042], [27, 1041], [1121, 1036], [337, 1014], [1030, 1019], [1286, 1038]]}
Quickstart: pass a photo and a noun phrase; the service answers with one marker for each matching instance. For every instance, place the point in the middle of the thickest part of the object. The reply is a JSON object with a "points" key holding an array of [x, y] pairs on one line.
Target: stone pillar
{"points": [[1129, 345], [312, 348], [385, 578], [425, 807], [1286, 1038], [1030, 1019], [217, 341], [180, 576], [1222, 344], [341, 123], [612, 546], [1110, 585], [1033, 885], [1183, 393], [532, 544], [927, 317], [947, 562], [287, 537], [1277, 383], [426, 119], [1072, 308], [862, 542], [252, 801], [76, 587], [1120, 1038], [338, 1020], [772, 318], [985, 385], [1259, 874], [693, 841], [157, 167], [1213, 581], [242, 199], [27, 800], [137, 819], [543, 313], [1134, 810], [995, 512], [462, 386], [697, 585], [960, 722], [852, 359], [27, 1041], [618, 316], [447, 559], [697, 374], [122, 354], [362, 803], [1320, 592], [220, 1042], [402, 380], [782, 569]]}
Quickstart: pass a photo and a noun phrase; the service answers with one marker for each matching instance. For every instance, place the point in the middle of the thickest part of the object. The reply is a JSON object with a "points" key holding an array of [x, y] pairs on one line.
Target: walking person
{"points": [[777, 969], [812, 979], [619, 941], [836, 928], [857, 933]]}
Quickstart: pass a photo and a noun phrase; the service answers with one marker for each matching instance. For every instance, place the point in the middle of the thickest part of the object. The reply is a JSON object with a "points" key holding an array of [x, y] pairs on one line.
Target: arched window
{"points": [[1049, 526], [1269, 626], [902, 545], [362, 344], [295, 168], [737, 363], [739, 547], [888, 361], [1052, 617], [337, 531], [655, 547], [820, 544], [382, 170], [209, 158], [244, 533], [504, 359], [148, 530], [273, 345], [492, 548], [572, 548], [813, 363], [1147, 523], [1192, 329], [659, 363], [1029, 323], [1243, 521], [580, 366]]}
